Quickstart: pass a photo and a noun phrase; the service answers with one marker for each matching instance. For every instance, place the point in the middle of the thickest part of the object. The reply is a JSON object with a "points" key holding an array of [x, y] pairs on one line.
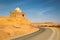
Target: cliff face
{"points": [[15, 24]]}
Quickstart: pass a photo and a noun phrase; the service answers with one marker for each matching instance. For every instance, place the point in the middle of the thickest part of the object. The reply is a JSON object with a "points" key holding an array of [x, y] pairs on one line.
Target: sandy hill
{"points": [[14, 25]]}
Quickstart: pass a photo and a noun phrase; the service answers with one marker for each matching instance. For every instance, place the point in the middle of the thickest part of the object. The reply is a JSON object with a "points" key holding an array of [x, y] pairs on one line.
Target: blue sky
{"points": [[35, 10]]}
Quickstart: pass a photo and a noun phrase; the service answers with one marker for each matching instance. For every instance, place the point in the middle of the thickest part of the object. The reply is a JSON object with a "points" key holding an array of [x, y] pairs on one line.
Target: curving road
{"points": [[45, 33]]}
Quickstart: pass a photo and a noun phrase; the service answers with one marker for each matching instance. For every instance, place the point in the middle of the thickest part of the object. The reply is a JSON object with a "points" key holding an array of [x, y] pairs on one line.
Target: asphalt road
{"points": [[43, 34]]}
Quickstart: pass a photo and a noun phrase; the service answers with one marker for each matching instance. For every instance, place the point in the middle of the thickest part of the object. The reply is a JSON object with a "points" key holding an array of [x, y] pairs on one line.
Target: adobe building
{"points": [[17, 13]]}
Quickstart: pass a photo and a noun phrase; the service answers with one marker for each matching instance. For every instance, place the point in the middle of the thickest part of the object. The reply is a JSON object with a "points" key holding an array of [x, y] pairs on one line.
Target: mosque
{"points": [[17, 13]]}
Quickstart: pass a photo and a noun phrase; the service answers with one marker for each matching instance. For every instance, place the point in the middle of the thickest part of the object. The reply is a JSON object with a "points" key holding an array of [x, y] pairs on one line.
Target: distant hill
{"points": [[45, 24]]}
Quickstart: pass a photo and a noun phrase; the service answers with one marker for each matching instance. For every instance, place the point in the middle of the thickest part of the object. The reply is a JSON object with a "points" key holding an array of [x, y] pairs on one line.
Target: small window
{"points": [[23, 15]]}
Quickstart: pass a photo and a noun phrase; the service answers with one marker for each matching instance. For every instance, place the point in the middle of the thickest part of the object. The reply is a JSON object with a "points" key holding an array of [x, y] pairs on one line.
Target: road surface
{"points": [[45, 33]]}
